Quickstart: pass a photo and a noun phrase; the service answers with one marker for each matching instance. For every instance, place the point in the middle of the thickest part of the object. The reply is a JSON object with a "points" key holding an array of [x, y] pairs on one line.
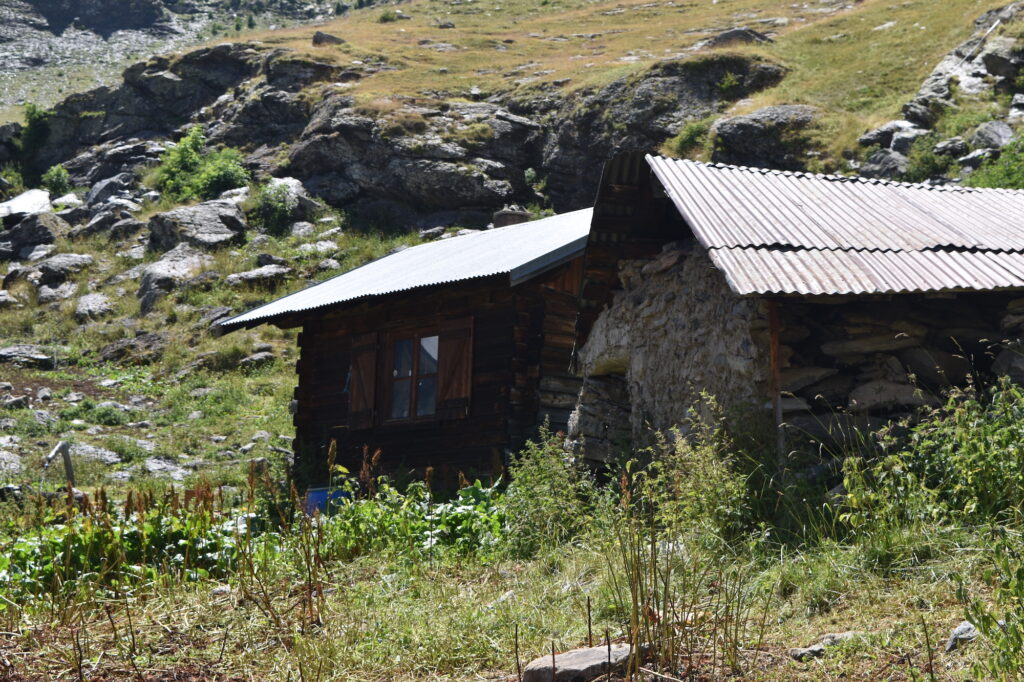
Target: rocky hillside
{"points": [[49, 48], [324, 149]]}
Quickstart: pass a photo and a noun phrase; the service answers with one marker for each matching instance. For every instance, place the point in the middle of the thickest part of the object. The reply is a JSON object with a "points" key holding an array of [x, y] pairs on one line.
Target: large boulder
{"points": [[25, 204], [105, 190], [93, 307], [885, 164], [992, 135], [165, 275], [772, 137], [59, 268], [208, 225], [33, 231]]}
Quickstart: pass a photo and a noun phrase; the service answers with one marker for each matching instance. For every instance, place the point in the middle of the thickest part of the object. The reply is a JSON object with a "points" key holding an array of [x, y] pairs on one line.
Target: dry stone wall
{"points": [[674, 330]]}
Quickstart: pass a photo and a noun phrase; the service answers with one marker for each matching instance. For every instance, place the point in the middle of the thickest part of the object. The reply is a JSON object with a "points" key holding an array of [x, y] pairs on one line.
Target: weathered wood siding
{"points": [[521, 342]]}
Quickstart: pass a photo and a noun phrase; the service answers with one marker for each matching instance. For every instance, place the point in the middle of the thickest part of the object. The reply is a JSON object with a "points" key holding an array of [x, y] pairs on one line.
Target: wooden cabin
{"points": [[449, 354]]}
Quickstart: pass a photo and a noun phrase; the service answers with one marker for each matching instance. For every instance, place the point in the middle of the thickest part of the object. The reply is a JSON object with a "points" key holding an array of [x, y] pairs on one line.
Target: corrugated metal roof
{"points": [[775, 232], [521, 251]]}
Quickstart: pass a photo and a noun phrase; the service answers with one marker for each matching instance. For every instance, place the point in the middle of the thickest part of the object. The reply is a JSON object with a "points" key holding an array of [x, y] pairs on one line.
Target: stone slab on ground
{"points": [[578, 665]]}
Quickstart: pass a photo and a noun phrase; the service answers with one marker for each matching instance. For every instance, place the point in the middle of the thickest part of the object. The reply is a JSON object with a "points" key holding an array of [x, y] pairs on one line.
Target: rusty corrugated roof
{"points": [[520, 251], [775, 232]]}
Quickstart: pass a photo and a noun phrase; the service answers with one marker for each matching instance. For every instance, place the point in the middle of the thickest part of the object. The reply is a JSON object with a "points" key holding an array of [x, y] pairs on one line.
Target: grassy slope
{"points": [[860, 80]]}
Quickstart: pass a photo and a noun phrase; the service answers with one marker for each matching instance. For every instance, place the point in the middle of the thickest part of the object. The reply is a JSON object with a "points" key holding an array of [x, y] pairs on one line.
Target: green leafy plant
{"points": [[57, 180], [186, 172], [549, 500], [924, 163], [691, 138], [271, 208], [1007, 171], [387, 16]]}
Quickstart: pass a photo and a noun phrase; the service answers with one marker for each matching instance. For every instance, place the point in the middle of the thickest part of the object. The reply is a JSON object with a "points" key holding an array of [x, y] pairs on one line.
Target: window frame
{"points": [[416, 335]]}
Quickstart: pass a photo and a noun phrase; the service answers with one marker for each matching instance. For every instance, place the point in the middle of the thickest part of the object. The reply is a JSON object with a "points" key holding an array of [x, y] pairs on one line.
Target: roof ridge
{"points": [[831, 177]]}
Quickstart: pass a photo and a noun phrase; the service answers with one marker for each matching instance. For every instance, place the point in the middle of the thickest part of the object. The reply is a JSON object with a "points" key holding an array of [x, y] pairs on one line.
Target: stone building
{"points": [[812, 300]]}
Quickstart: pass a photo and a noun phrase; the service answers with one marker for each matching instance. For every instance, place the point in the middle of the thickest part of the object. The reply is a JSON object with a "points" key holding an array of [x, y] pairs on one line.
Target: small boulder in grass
{"points": [[578, 665]]}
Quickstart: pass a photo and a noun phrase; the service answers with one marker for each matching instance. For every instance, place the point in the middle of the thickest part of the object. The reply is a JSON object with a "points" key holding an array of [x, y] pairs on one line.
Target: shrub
{"points": [[691, 138], [962, 463], [924, 163], [271, 209], [57, 180], [1007, 171], [185, 172], [549, 499], [387, 16], [692, 481], [12, 175], [1002, 625], [36, 130]]}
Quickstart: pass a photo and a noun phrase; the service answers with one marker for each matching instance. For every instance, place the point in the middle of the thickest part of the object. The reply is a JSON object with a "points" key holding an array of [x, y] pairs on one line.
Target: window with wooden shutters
{"points": [[455, 368], [363, 381]]}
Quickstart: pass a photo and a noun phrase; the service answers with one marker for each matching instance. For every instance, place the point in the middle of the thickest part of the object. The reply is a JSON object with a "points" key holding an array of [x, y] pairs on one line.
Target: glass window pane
{"points": [[428, 355], [426, 396], [401, 361], [400, 399]]}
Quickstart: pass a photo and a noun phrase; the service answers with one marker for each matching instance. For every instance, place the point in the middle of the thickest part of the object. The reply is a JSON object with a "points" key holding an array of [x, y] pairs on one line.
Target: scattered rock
{"points": [[15, 402], [95, 453], [268, 276], [303, 229], [29, 233], [992, 135], [7, 300], [327, 264], [268, 259], [25, 204], [44, 394], [885, 394], [826, 641], [25, 355], [139, 350], [904, 140], [321, 38], [882, 136], [963, 633], [324, 246], [208, 225], [256, 360], [104, 190], [732, 37], [578, 665], [885, 164], [59, 268], [954, 146], [979, 156], [159, 466], [51, 294], [165, 275]]}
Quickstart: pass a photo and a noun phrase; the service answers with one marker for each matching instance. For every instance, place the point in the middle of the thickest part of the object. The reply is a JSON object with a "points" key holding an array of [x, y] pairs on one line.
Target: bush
{"points": [[1002, 625], [549, 499], [1007, 171], [963, 463], [57, 180], [924, 163], [691, 138], [387, 16], [185, 172], [36, 130], [692, 482], [271, 209]]}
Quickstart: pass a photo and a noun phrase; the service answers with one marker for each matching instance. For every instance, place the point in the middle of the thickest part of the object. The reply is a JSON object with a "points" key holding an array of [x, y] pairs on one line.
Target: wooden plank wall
{"points": [[515, 343]]}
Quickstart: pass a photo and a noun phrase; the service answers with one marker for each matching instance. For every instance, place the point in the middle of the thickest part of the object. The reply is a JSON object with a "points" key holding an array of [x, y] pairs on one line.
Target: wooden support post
{"points": [[776, 385]]}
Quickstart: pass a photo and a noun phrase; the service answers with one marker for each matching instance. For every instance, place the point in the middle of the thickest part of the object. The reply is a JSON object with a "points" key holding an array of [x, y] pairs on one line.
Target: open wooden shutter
{"points": [[363, 381], [455, 368]]}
